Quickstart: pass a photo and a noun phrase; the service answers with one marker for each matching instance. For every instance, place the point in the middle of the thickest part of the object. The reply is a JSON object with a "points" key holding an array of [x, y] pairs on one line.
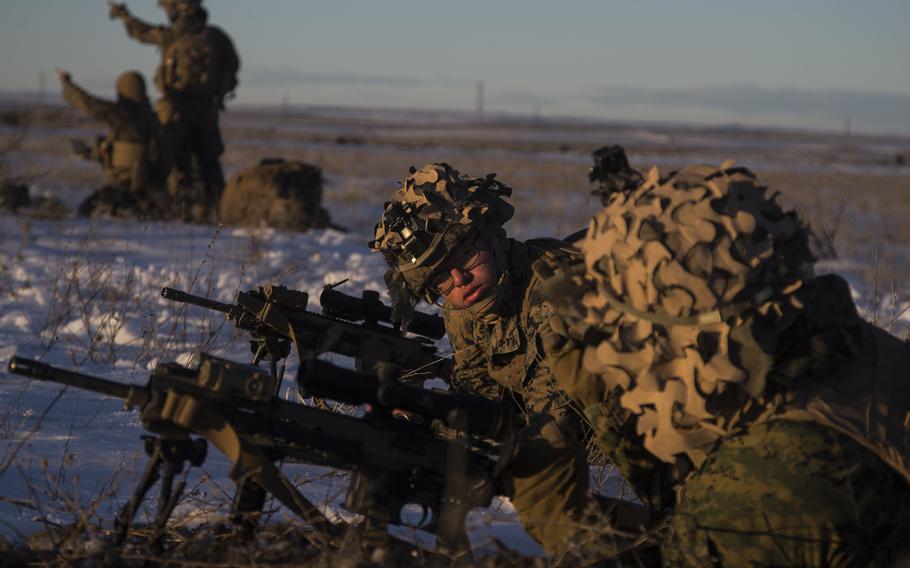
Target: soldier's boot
{"points": [[110, 201], [88, 205], [198, 213], [80, 149], [13, 196], [203, 207]]}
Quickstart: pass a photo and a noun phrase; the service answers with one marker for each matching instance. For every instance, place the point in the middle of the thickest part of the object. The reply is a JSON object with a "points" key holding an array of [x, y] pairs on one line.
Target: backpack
{"points": [[229, 61], [202, 63], [275, 193]]}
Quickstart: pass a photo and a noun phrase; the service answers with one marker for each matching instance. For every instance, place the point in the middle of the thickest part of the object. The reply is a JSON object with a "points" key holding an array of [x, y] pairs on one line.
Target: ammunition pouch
{"points": [[125, 155], [102, 152], [131, 157]]}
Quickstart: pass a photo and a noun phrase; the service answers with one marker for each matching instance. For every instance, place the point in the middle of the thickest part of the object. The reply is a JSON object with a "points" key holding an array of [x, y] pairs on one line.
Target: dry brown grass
{"points": [[547, 163], [864, 214]]}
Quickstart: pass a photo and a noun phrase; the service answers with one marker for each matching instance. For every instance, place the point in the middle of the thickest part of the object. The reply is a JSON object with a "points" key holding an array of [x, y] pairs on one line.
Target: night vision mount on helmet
{"points": [[612, 172]]}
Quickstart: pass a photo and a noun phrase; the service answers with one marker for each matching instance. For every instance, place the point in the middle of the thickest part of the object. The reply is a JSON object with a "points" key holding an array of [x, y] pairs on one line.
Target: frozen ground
{"points": [[83, 294], [79, 293]]}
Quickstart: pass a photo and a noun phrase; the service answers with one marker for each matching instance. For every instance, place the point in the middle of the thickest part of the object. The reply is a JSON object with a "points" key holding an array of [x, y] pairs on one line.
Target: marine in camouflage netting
{"points": [[729, 383]]}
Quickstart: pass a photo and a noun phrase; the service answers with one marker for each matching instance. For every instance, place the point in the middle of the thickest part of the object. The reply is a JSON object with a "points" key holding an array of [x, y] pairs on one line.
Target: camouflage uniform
{"points": [[500, 356], [190, 116], [716, 370], [498, 352], [129, 153], [502, 353]]}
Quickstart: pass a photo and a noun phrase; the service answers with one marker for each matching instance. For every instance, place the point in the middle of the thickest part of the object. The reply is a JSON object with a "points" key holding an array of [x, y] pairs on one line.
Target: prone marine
{"points": [[730, 385], [443, 239]]}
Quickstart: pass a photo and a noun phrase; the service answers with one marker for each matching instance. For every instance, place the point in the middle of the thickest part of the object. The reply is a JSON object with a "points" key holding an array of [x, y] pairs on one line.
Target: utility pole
{"points": [[479, 107], [42, 87]]}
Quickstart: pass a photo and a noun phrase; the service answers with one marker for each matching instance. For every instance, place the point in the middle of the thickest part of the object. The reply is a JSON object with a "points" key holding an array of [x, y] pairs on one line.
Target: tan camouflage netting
{"points": [[671, 270]]}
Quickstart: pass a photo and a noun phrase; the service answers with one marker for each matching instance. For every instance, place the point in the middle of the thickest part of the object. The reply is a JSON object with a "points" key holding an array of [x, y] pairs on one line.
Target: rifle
{"points": [[395, 462], [277, 317]]}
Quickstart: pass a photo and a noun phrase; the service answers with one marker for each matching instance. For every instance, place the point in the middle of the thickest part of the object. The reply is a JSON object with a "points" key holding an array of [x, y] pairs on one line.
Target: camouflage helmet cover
{"points": [[131, 85], [175, 8], [677, 274], [183, 4], [434, 210]]}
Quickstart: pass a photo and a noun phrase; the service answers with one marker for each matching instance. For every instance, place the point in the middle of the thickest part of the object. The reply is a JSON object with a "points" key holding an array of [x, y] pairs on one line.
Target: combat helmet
{"points": [[435, 210], [175, 8], [180, 4], [130, 85], [688, 280]]}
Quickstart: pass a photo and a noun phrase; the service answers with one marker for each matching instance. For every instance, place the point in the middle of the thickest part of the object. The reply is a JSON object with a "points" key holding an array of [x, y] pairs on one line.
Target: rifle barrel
{"points": [[44, 372], [176, 295], [483, 417], [338, 304]]}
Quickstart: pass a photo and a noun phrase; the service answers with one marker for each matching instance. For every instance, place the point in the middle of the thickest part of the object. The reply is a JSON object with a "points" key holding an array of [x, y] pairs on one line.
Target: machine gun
{"points": [[361, 328], [395, 462]]}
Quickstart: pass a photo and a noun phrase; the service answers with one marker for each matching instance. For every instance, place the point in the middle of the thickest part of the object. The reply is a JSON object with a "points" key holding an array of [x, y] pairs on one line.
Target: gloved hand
{"points": [[63, 75], [117, 11]]}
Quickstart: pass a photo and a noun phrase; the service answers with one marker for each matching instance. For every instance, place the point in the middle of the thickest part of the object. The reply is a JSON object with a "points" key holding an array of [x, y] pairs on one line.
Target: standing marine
{"points": [[129, 155], [197, 73], [729, 384]]}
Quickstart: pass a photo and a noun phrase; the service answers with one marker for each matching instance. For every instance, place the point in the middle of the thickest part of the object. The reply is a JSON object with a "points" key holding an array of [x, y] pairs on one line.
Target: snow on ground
{"points": [[86, 294], [82, 294]]}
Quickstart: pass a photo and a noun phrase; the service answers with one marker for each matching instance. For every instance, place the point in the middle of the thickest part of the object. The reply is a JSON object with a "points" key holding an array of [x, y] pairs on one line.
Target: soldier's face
{"points": [[468, 276], [170, 11]]}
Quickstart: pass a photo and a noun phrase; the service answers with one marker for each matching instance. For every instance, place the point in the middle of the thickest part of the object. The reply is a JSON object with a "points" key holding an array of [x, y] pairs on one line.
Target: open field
{"points": [[84, 293]]}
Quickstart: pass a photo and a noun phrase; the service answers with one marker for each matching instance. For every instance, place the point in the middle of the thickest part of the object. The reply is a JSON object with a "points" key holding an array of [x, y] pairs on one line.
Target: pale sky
{"points": [[803, 64]]}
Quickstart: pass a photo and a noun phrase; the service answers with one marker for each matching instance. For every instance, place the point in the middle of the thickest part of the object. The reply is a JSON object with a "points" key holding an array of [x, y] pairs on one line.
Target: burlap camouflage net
{"points": [[275, 193], [673, 265], [697, 333], [441, 206]]}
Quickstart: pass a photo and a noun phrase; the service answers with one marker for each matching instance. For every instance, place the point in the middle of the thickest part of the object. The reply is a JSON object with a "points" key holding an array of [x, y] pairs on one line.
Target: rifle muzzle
{"points": [[182, 297], [44, 372]]}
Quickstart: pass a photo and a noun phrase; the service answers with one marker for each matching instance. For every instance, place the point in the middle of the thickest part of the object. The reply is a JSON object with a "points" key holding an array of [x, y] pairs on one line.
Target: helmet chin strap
{"points": [[487, 306]]}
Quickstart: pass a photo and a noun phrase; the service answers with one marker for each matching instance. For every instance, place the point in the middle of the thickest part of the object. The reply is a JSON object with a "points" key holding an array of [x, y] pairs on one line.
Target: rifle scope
{"points": [[370, 309], [477, 415]]}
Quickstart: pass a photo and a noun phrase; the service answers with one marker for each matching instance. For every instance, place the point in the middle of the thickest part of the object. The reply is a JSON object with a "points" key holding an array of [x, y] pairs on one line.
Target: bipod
{"points": [[247, 508], [169, 455], [276, 349]]}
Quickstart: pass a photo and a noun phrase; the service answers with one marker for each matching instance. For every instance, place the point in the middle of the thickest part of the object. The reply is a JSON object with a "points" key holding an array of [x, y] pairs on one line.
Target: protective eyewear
{"points": [[464, 259]]}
